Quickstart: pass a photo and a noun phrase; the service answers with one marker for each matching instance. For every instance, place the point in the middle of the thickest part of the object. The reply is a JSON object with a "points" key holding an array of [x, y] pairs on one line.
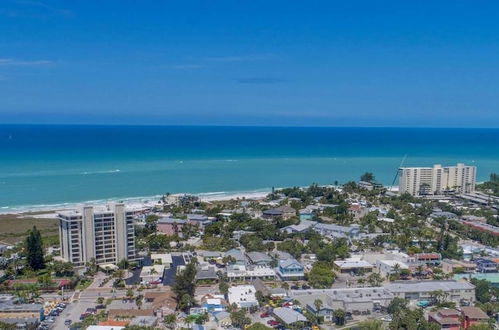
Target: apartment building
{"points": [[105, 234], [437, 179]]}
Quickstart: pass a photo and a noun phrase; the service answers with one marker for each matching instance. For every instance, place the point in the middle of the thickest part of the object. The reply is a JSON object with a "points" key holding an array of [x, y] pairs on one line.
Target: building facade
{"points": [[104, 234], [437, 180]]}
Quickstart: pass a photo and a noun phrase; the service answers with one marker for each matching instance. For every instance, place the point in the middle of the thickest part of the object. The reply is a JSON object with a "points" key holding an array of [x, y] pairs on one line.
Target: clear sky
{"points": [[297, 63]]}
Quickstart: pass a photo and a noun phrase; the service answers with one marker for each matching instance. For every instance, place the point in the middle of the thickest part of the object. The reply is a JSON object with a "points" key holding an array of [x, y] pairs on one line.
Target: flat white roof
{"points": [[242, 293], [166, 258], [392, 263], [352, 263]]}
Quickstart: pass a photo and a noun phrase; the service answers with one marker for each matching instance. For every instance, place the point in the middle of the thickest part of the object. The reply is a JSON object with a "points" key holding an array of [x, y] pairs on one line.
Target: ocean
{"points": [[54, 165]]}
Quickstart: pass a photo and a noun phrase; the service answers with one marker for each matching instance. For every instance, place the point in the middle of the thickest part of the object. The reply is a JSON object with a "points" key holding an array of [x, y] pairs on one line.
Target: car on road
{"points": [[386, 318], [68, 322]]}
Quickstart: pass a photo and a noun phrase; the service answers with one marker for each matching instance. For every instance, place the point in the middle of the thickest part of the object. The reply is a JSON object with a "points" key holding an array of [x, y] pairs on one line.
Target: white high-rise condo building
{"points": [[437, 180], [105, 234]]}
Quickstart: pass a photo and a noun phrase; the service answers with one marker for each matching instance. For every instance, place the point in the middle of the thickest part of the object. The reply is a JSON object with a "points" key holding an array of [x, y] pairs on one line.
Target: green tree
{"points": [[239, 319], [318, 305], [374, 279], [371, 325], [129, 293], [397, 305], [138, 301], [321, 276], [258, 326], [185, 286], [339, 316], [481, 326], [170, 320], [223, 287], [367, 177], [34, 250], [45, 281]]}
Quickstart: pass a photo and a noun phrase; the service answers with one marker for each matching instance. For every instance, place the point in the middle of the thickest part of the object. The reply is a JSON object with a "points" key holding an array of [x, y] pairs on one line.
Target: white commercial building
{"points": [[243, 296], [456, 291], [104, 234], [437, 179]]}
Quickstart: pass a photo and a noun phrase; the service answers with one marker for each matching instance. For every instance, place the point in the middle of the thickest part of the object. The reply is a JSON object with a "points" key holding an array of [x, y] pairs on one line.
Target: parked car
{"points": [[264, 315], [273, 322], [68, 322]]}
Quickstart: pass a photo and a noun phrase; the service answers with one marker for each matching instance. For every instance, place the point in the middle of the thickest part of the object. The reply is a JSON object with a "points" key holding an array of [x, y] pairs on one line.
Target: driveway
{"points": [[169, 274]]}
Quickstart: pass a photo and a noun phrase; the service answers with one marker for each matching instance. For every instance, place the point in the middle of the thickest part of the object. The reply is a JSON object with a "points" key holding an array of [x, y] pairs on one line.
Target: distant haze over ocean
{"points": [[42, 165]]}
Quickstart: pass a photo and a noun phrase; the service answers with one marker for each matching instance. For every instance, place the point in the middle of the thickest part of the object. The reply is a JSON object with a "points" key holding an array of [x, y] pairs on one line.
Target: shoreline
{"points": [[144, 201]]}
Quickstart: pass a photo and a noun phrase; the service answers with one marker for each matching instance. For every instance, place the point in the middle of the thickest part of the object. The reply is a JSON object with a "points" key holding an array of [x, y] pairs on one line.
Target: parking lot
{"points": [[54, 317]]}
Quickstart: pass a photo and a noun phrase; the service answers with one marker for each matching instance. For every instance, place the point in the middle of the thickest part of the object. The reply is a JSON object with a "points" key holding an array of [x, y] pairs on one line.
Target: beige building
{"points": [[105, 234], [437, 179]]}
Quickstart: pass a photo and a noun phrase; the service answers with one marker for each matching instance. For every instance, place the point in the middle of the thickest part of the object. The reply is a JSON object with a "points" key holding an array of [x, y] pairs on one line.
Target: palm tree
{"points": [[318, 305], [339, 316], [129, 294], [170, 320], [374, 279], [138, 301]]}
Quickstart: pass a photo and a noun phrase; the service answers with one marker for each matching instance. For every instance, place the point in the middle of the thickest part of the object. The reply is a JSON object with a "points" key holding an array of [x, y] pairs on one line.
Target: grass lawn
{"points": [[82, 285], [14, 227]]}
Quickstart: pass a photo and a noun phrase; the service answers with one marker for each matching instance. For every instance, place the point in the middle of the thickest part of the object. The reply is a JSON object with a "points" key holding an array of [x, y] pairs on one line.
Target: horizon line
{"points": [[238, 126]]}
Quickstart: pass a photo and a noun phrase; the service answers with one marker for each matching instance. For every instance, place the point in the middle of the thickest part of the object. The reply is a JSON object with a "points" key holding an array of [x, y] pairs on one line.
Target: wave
{"points": [[206, 196], [101, 172]]}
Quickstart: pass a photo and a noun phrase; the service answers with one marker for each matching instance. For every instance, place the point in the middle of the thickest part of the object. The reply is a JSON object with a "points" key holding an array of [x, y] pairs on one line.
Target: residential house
{"points": [[302, 227], [431, 259], [284, 212], [237, 255], [223, 319], [357, 211], [269, 291], [288, 316], [472, 315], [290, 269], [486, 265], [325, 310], [451, 265], [199, 220], [259, 258], [337, 231], [206, 273], [447, 318], [170, 226], [249, 272]]}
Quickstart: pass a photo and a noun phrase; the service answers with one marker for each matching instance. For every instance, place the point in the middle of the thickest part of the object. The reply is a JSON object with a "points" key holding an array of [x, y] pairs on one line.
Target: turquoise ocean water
{"points": [[51, 165]]}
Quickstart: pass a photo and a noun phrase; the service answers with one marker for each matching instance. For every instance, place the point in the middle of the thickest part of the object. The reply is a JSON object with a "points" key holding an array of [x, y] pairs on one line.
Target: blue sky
{"points": [[294, 63]]}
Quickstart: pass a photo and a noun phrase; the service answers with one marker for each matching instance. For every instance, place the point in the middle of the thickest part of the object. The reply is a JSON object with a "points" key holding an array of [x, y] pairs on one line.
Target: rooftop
{"points": [[288, 315]]}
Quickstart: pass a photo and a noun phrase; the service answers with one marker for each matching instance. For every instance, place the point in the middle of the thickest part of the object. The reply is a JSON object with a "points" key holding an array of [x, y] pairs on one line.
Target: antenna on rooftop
{"points": [[397, 174]]}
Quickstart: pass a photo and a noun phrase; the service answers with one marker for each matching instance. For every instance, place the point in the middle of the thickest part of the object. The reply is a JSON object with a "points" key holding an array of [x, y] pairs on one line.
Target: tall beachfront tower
{"points": [[437, 180], [105, 234]]}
